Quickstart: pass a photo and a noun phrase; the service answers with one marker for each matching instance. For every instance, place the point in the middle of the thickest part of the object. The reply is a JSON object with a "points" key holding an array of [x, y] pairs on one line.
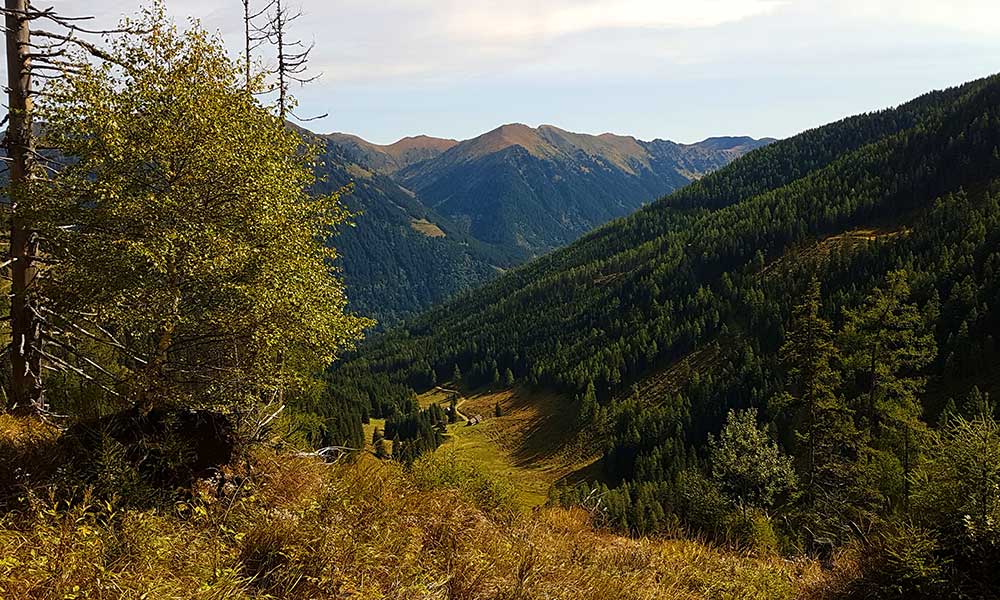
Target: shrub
{"points": [[489, 493], [903, 561]]}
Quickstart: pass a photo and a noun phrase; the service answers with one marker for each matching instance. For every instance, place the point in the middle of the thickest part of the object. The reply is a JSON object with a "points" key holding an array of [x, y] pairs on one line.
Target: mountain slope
{"points": [[533, 190], [541, 188], [393, 157], [720, 262], [399, 256]]}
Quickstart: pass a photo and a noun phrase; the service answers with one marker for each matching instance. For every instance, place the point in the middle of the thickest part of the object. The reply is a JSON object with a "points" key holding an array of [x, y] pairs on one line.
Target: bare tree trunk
{"points": [[25, 382], [246, 49], [279, 27]]}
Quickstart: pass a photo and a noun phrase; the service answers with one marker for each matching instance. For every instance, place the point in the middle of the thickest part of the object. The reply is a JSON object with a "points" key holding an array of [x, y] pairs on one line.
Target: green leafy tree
{"points": [[748, 465], [183, 235]]}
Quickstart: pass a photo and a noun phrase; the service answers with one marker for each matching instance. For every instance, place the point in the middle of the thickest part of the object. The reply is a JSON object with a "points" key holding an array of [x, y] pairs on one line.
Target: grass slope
{"points": [[532, 445], [296, 528]]}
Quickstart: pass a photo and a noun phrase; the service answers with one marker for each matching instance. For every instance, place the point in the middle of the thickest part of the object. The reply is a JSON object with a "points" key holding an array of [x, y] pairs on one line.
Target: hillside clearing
{"points": [[533, 444]]}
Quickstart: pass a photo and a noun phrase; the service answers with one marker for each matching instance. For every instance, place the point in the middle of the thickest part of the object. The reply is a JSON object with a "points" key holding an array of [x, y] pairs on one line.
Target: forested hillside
{"points": [[391, 266], [852, 394], [434, 217], [539, 189]]}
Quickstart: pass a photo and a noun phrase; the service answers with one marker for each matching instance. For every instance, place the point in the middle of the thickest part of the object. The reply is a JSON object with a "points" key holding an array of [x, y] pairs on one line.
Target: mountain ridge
{"points": [[436, 216]]}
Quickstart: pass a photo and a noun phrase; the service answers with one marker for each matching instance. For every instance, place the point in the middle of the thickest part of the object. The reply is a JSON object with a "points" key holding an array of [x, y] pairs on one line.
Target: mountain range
{"points": [[437, 216]]}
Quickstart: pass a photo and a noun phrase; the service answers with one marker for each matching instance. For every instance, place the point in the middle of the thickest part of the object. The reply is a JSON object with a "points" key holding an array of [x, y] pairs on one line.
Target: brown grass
{"points": [[427, 228], [292, 527]]}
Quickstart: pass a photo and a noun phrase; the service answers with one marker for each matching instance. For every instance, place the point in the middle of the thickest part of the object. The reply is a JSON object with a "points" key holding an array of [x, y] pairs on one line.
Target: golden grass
{"points": [[296, 528], [427, 228]]}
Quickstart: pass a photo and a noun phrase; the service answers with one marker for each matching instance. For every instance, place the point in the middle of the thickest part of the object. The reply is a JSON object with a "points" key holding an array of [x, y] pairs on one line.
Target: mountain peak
{"points": [[390, 158], [419, 142], [505, 136]]}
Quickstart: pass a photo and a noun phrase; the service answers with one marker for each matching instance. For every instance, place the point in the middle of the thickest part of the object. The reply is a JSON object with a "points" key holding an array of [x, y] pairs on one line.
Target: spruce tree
{"points": [[826, 439], [886, 343], [588, 406]]}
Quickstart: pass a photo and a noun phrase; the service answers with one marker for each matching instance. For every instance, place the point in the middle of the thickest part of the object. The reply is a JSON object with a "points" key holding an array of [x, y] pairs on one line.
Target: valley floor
{"points": [[532, 444]]}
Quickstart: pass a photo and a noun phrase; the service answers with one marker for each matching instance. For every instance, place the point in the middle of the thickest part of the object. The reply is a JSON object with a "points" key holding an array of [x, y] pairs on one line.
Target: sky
{"points": [[681, 70]]}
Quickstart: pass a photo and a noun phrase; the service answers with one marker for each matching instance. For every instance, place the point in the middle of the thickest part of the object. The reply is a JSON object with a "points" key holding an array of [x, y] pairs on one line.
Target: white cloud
{"points": [[399, 61], [526, 19], [974, 16]]}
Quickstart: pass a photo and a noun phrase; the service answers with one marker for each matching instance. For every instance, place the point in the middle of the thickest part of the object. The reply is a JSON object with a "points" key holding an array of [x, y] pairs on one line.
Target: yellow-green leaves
{"points": [[182, 228]]}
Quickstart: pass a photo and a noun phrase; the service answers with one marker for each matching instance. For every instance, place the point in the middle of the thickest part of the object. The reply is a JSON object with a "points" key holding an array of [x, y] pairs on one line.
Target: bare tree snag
{"points": [[25, 382]]}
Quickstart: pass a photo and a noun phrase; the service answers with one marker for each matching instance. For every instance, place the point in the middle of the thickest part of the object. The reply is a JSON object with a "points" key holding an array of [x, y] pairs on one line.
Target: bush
{"points": [[904, 562], [701, 504], [489, 493]]}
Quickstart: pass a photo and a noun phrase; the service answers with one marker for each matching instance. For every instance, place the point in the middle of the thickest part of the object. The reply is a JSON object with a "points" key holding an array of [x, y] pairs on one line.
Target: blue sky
{"points": [[680, 70]]}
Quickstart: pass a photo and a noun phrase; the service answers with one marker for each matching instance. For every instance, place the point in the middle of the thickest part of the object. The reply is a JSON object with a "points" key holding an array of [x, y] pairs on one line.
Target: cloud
{"points": [[526, 19], [648, 67]]}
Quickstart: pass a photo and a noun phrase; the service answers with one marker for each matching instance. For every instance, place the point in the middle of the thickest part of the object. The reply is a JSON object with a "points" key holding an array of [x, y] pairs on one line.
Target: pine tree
{"points": [[397, 447], [497, 410], [588, 406], [453, 409], [886, 342], [508, 378], [456, 376], [977, 404], [827, 442]]}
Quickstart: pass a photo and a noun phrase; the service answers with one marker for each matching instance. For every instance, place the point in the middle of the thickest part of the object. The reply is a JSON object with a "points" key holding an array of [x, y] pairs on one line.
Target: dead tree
{"points": [[31, 53], [25, 379], [253, 35], [293, 57]]}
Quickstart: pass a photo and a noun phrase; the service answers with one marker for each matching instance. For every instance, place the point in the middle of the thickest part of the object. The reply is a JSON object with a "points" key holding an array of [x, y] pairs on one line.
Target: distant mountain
{"points": [[540, 188], [399, 256], [438, 216], [389, 159]]}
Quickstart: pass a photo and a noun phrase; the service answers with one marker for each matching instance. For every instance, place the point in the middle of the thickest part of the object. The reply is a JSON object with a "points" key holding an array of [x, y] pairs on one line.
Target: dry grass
{"points": [[295, 528], [427, 228]]}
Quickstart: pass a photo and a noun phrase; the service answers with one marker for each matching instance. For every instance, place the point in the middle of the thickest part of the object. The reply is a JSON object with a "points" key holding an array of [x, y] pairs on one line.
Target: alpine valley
{"points": [[438, 216]]}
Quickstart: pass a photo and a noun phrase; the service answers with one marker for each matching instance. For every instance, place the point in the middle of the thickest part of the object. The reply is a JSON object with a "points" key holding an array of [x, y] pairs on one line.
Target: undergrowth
{"points": [[286, 526]]}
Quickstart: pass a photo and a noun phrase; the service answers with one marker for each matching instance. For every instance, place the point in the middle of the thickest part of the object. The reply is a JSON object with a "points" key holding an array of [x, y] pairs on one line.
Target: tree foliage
{"points": [[182, 232]]}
